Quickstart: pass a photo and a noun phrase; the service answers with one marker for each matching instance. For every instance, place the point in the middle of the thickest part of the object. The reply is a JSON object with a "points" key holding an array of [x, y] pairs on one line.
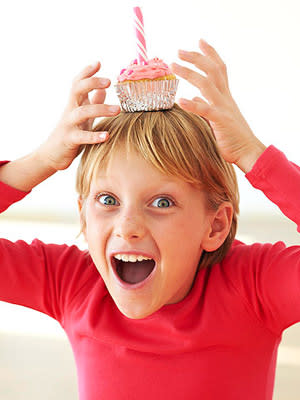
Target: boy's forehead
{"points": [[106, 174], [125, 166], [145, 174], [123, 161]]}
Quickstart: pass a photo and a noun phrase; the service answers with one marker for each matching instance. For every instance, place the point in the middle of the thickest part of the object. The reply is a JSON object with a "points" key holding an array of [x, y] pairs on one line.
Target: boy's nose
{"points": [[130, 227]]}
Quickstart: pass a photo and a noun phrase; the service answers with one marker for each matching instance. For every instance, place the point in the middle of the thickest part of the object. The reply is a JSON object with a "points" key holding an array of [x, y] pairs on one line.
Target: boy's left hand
{"points": [[236, 141]]}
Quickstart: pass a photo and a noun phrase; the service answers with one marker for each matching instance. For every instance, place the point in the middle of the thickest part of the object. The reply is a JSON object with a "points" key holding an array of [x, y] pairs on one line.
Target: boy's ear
{"points": [[219, 227]]}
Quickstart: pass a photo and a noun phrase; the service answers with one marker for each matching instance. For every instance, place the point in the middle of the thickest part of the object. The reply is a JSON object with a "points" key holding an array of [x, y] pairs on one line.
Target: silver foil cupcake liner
{"points": [[147, 95]]}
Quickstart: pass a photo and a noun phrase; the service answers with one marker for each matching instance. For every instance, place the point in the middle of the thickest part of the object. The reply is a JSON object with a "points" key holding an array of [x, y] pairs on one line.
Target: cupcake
{"points": [[146, 86]]}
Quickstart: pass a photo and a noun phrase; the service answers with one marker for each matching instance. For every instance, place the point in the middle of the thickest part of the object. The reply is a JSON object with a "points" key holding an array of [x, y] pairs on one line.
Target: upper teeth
{"points": [[131, 257]]}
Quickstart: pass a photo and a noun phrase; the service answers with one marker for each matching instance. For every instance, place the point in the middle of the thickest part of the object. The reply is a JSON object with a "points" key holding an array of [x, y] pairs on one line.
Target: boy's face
{"points": [[133, 209]]}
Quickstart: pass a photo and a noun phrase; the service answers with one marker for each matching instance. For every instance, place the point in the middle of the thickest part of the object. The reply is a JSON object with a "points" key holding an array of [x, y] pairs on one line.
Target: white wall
{"points": [[45, 44]]}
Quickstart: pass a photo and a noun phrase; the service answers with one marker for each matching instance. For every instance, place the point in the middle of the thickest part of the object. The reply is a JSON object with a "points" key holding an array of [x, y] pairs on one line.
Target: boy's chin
{"points": [[135, 311]]}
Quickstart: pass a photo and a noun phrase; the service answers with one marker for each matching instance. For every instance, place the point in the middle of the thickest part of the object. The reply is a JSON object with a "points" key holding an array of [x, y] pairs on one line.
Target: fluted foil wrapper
{"points": [[147, 95]]}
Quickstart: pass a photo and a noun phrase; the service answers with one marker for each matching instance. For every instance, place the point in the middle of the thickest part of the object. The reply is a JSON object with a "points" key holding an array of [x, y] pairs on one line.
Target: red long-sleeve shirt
{"points": [[220, 342]]}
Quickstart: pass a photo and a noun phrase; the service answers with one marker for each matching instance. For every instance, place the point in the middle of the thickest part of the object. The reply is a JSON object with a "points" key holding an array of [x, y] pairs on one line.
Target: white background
{"points": [[45, 44]]}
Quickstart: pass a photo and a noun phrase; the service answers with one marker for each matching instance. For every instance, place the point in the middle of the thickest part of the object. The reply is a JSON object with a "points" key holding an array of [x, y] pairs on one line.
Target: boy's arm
{"points": [[9, 194], [39, 276], [25, 173], [45, 277], [73, 130], [268, 276]]}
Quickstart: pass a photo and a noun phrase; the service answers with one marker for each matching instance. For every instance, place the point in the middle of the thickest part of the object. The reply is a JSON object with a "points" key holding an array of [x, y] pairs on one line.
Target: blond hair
{"points": [[177, 143]]}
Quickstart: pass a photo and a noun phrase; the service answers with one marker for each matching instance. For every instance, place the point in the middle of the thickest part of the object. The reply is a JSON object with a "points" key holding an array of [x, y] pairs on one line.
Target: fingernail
{"points": [[103, 135], [94, 65], [113, 108], [104, 81]]}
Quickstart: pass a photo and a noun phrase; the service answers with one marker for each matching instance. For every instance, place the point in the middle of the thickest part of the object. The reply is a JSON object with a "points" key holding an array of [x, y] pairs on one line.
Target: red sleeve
{"points": [[268, 276], [45, 277], [279, 180], [8, 194]]}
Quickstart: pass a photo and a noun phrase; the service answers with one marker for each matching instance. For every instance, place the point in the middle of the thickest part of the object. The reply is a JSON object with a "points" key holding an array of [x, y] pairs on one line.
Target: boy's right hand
{"points": [[75, 126], [73, 130]]}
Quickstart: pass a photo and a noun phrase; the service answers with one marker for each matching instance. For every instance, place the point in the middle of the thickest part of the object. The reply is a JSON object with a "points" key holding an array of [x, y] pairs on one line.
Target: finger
{"points": [[207, 88], [81, 88], [87, 85], [212, 69], [212, 53], [88, 71], [91, 111], [199, 107], [79, 137], [98, 97]]}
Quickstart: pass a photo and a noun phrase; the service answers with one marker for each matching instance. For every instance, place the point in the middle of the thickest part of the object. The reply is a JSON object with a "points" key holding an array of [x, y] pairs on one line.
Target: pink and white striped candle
{"points": [[140, 35]]}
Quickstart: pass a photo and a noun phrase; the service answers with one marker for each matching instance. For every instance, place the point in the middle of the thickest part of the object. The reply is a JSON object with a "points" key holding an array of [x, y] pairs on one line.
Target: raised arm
{"points": [[45, 277]]}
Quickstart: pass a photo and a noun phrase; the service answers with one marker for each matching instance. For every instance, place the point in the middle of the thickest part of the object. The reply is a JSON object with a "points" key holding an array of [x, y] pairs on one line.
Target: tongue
{"points": [[134, 272]]}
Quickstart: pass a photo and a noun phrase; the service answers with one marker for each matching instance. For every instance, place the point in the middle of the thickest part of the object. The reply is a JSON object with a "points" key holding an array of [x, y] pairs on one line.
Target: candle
{"points": [[140, 35]]}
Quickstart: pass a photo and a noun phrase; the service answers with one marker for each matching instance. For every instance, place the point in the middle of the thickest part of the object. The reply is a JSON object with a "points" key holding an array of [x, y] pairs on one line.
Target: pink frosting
{"points": [[150, 69]]}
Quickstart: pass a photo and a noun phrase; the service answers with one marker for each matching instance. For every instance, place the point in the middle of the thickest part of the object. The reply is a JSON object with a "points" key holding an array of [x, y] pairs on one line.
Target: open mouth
{"points": [[133, 272]]}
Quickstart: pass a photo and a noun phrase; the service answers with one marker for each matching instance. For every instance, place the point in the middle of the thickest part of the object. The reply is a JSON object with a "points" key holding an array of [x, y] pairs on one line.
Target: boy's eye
{"points": [[163, 202], [107, 200]]}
